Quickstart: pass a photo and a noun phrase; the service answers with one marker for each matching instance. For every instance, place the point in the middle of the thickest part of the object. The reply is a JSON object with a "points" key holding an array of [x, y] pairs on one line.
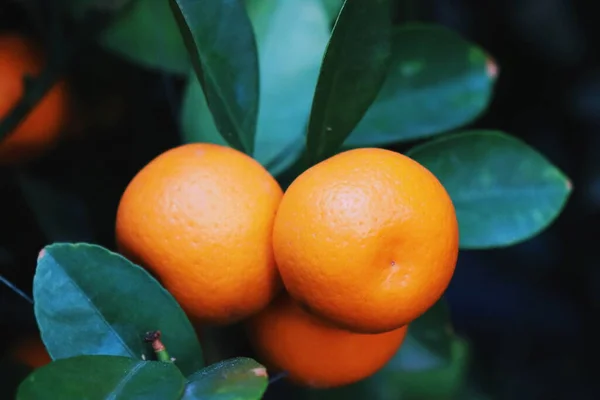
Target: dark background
{"points": [[530, 310]]}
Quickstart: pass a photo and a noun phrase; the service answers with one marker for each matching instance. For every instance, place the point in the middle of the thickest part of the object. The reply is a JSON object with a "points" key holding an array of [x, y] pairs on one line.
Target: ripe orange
{"points": [[367, 239], [313, 352], [40, 130], [31, 352], [200, 217]]}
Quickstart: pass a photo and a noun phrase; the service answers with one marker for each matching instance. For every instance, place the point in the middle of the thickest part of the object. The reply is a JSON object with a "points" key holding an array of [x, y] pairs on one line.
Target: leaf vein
{"points": [[119, 388], [93, 305]]}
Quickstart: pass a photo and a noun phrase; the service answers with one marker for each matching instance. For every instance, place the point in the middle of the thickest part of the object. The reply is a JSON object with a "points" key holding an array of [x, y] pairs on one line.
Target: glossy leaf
{"points": [[291, 37], [234, 379], [504, 191], [89, 300], [146, 33], [221, 42], [103, 377], [354, 68], [333, 8], [437, 81]]}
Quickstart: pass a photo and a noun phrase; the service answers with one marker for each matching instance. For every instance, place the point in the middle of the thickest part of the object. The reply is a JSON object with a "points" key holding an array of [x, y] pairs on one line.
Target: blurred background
{"points": [[529, 312]]}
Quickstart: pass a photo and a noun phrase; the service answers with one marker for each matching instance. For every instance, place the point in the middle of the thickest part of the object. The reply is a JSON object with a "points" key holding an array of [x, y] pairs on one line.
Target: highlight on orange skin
{"points": [[314, 353], [367, 239], [200, 217]]}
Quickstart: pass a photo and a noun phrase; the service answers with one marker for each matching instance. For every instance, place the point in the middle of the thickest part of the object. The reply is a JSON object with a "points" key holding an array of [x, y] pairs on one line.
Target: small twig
{"points": [[15, 289], [35, 89], [277, 377], [158, 346]]}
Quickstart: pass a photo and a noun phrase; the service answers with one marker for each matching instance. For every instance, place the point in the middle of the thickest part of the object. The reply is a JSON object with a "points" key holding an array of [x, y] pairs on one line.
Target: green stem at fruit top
{"points": [[158, 347]]}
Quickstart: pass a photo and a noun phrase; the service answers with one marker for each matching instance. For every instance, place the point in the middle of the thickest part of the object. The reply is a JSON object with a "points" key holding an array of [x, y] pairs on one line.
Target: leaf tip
{"points": [[41, 254], [260, 371], [492, 68], [569, 185]]}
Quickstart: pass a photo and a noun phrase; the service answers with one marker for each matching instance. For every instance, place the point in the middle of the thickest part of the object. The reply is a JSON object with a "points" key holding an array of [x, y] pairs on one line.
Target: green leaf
{"points": [[333, 8], [504, 191], [146, 33], [197, 123], [234, 379], [103, 377], [354, 68], [59, 211], [434, 330], [416, 374], [89, 300], [291, 37], [220, 39], [437, 81], [428, 343]]}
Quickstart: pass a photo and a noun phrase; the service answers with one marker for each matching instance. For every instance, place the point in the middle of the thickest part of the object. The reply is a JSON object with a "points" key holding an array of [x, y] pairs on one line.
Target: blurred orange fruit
{"points": [[40, 130], [31, 352], [367, 239], [200, 217], [313, 352]]}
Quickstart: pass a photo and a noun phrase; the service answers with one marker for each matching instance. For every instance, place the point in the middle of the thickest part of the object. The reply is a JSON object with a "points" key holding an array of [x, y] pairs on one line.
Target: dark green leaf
{"points": [[353, 70], [503, 190], [60, 212], [333, 8], [220, 40], [234, 379], [434, 330], [417, 373], [437, 81], [89, 300], [291, 37], [146, 33], [103, 377]]}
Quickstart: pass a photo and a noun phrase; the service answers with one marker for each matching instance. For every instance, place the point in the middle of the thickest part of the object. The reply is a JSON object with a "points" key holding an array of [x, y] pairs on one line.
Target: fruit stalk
{"points": [[158, 346]]}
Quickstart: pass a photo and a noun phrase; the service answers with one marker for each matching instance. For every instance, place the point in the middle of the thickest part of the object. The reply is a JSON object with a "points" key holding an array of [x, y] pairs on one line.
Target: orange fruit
{"points": [[40, 130], [200, 217], [315, 353], [30, 352], [367, 239]]}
